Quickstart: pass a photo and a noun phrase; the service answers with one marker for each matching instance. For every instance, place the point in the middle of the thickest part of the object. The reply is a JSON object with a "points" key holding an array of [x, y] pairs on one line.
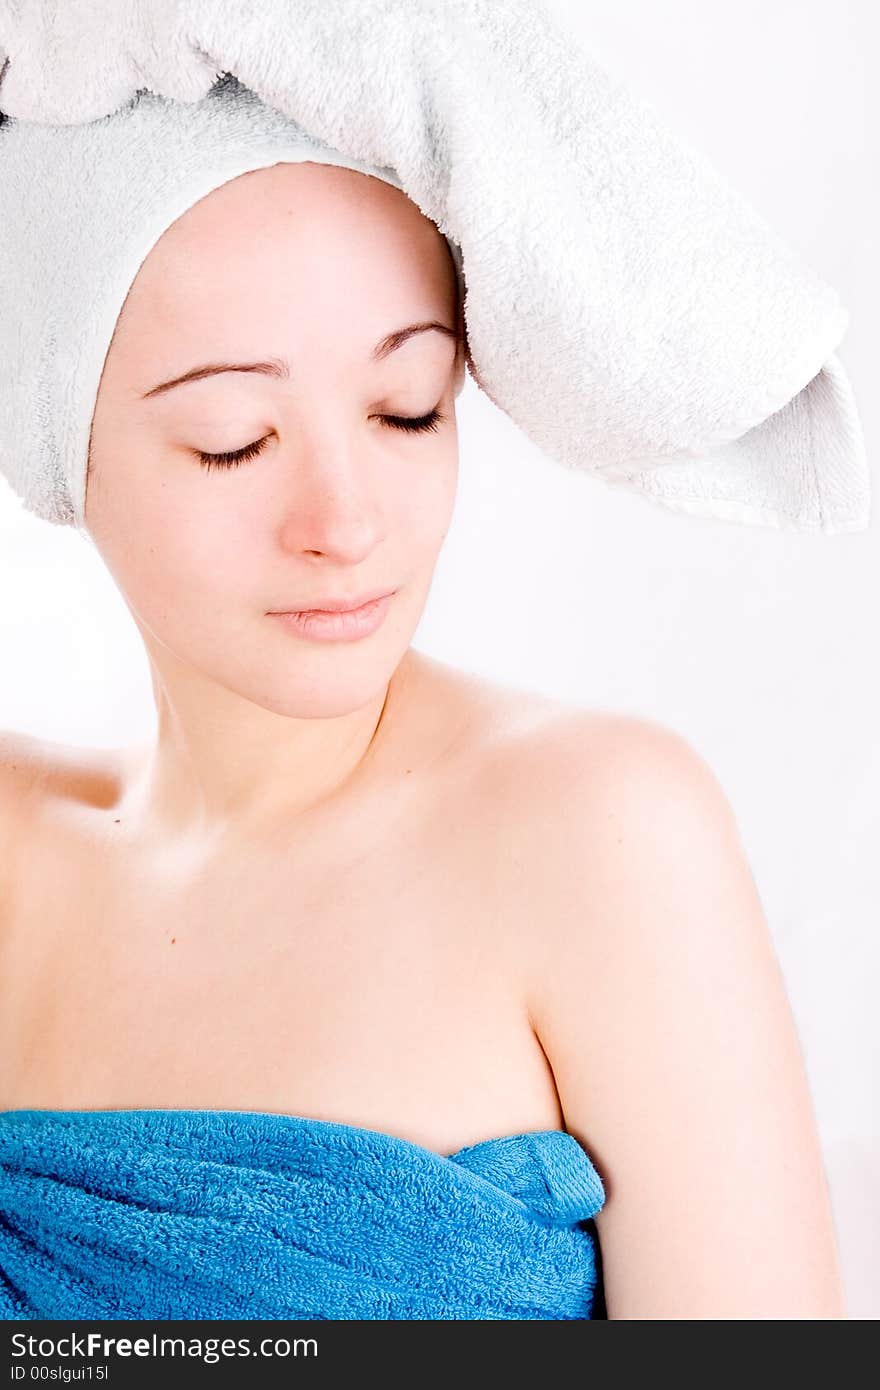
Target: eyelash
{"points": [[418, 424]]}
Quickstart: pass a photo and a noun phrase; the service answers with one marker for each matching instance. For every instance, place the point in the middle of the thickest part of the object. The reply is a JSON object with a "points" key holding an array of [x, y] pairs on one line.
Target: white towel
{"points": [[624, 305]]}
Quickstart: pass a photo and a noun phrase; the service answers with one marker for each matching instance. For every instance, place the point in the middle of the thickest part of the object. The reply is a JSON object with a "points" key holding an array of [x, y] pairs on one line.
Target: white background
{"points": [[758, 646]]}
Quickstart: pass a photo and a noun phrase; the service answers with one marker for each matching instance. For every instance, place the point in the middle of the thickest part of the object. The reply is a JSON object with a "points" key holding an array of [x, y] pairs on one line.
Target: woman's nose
{"points": [[332, 505]]}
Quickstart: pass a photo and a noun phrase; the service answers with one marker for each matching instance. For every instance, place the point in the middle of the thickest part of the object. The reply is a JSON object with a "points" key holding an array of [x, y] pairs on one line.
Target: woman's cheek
{"points": [[428, 509]]}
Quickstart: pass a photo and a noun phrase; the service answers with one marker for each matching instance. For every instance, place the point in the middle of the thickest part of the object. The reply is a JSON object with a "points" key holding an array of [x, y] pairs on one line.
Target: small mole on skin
{"points": [[116, 820], [173, 939]]}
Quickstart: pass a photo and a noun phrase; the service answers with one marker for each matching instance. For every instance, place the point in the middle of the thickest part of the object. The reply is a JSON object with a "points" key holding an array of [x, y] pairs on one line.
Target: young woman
{"points": [[346, 881]]}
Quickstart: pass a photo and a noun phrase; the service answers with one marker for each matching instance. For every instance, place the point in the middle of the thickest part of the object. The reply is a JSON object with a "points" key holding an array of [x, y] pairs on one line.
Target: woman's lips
{"points": [[347, 625]]}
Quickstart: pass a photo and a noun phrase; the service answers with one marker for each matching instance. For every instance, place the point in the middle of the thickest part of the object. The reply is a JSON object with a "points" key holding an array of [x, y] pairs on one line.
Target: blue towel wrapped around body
{"points": [[162, 1214]]}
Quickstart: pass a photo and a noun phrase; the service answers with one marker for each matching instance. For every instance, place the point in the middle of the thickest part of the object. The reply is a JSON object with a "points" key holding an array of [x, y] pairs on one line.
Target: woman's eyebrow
{"points": [[279, 367]]}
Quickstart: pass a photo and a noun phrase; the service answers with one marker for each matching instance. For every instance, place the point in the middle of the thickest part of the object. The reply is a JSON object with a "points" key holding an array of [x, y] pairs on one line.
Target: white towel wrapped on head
{"points": [[624, 305]]}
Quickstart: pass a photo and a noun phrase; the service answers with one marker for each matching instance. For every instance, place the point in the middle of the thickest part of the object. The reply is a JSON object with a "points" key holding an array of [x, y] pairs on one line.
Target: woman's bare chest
{"points": [[372, 986]]}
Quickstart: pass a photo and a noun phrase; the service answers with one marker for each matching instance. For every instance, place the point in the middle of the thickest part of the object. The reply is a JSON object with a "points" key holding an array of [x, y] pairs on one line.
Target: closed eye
{"points": [[234, 457], [411, 424], [414, 423]]}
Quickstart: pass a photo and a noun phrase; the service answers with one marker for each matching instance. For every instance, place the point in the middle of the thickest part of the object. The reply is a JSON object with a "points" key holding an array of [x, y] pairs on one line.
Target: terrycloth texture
{"points": [[76, 241], [624, 304], [160, 1214]]}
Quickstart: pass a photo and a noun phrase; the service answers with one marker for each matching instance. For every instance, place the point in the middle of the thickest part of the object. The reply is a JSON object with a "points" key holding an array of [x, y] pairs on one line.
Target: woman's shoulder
{"points": [[34, 768], [595, 804], [599, 812], [37, 774], [27, 766], [572, 798], [542, 756]]}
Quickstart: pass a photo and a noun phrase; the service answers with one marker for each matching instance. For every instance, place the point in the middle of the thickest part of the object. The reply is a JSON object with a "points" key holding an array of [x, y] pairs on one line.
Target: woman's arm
{"points": [[659, 1001]]}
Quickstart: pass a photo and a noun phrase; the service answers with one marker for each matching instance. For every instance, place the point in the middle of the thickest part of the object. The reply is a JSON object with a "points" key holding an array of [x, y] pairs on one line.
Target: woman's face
{"points": [[311, 266]]}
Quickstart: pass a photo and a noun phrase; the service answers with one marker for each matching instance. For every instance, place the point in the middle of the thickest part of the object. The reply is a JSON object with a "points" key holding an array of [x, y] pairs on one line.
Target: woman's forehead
{"points": [[241, 276], [296, 204], [294, 228]]}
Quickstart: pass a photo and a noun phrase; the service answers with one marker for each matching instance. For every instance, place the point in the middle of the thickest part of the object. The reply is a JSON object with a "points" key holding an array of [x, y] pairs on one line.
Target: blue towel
{"points": [[161, 1214]]}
